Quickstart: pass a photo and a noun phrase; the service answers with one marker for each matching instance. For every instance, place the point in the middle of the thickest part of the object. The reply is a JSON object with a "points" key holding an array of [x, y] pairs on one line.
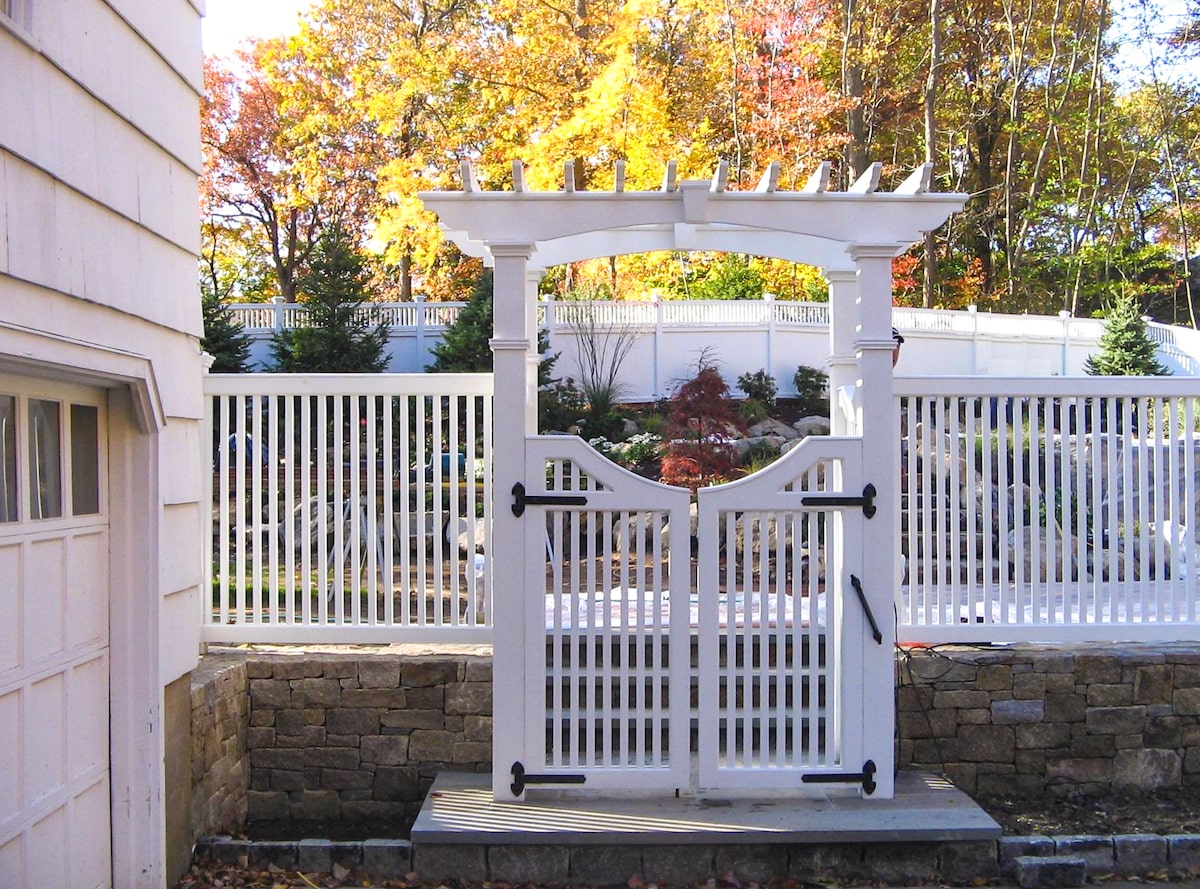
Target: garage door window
{"points": [[51, 455], [45, 459], [85, 459], [8, 458]]}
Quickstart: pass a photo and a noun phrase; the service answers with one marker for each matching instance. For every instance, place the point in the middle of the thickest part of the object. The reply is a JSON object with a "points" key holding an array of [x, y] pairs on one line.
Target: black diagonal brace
{"points": [[522, 778], [521, 499], [866, 607], [866, 501], [866, 777]]}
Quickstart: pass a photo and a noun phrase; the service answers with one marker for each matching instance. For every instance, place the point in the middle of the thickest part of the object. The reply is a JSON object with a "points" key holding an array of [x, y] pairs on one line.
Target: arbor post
{"points": [[880, 431], [843, 366], [515, 385]]}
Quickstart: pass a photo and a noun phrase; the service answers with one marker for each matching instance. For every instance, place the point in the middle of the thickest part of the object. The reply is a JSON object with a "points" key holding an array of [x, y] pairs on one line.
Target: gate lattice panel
{"points": [[779, 706], [615, 607]]}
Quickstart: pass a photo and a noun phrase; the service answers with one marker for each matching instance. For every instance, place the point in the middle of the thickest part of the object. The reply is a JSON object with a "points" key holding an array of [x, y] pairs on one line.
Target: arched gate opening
{"points": [[615, 668]]}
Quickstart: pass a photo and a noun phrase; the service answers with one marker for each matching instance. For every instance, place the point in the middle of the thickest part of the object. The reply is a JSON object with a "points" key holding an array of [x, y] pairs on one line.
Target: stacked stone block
{"points": [[360, 738], [1039, 720], [220, 767]]}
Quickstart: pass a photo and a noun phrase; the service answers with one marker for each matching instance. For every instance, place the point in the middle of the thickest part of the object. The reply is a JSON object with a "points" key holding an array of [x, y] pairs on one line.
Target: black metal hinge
{"points": [[521, 499], [866, 777], [866, 501], [521, 778], [866, 607]]}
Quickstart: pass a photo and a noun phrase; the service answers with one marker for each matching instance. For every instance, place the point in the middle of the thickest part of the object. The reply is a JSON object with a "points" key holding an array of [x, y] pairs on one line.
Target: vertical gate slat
{"points": [[974, 492], [408, 534], [390, 471], [358, 510], [242, 604], [994, 503], [223, 544], [289, 542], [1179, 551], [456, 526], [1141, 519], [437, 418], [1190, 495]]}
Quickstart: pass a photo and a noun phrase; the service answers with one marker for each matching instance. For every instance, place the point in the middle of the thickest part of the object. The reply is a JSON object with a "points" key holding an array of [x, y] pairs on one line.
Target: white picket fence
{"points": [[1049, 509], [349, 508], [354, 508]]}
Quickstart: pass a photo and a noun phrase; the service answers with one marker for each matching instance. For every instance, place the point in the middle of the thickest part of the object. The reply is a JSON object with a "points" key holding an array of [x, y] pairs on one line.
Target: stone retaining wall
{"points": [[220, 766], [1037, 720], [306, 737], [339, 737]]}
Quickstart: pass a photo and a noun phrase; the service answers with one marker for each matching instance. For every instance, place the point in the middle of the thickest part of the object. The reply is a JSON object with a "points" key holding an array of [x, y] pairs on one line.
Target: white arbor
{"points": [[599, 634]]}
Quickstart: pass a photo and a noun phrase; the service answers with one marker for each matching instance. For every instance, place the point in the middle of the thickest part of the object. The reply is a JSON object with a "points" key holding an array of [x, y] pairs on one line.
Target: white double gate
{"points": [[748, 658]]}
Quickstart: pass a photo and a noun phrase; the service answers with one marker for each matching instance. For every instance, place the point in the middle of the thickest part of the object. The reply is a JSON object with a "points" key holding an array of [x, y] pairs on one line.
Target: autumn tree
{"points": [[1079, 175], [249, 176], [385, 81], [702, 419]]}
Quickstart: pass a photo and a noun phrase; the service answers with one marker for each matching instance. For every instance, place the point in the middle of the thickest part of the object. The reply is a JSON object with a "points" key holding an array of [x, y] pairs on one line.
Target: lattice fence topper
{"points": [[813, 225]]}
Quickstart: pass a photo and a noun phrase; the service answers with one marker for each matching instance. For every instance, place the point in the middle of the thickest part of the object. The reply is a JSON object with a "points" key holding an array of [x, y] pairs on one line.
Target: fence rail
{"points": [[1049, 509], [349, 508], [745, 336]]}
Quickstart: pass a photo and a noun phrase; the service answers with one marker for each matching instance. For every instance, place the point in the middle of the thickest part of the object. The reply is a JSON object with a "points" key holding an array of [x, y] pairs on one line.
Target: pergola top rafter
{"points": [[812, 225]]}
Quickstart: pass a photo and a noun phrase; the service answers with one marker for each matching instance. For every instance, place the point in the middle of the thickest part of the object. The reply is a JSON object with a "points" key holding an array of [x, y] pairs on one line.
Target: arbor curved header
{"points": [[813, 225]]}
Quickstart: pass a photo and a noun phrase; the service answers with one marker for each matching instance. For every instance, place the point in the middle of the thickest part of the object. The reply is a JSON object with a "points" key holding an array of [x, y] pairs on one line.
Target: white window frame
{"points": [[64, 395], [16, 16]]}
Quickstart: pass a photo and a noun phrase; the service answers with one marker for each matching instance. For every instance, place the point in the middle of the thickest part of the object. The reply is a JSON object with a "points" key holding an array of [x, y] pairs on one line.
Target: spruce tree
{"points": [[1125, 346], [223, 337], [466, 347], [337, 339]]}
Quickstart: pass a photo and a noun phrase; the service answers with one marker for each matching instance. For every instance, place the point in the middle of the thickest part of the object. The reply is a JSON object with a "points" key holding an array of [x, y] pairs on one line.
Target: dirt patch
{"points": [[1175, 810]]}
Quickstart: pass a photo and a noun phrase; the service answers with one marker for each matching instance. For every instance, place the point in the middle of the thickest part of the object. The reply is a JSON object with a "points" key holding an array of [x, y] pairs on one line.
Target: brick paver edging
{"points": [[1127, 855]]}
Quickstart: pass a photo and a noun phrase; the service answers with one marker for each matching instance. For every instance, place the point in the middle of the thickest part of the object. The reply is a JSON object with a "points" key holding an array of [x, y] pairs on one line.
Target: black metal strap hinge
{"points": [[521, 778], [866, 501], [521, 499], [866, 607], [866, 777]]}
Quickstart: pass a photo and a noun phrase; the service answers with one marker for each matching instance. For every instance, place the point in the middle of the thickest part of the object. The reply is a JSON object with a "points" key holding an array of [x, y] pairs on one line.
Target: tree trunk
{"points": [[852, 88], [406, 291], [931, 87]]}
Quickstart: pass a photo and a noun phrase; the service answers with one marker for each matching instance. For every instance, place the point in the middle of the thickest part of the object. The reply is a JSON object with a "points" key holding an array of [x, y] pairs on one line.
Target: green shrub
{"points": [[758, 386], [560, 406], [753, 411], [759, 455], [812, 390], [609, 424]]}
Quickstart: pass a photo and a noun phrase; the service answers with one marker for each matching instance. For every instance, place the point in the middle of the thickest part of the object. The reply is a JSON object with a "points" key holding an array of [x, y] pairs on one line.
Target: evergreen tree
{"points": [[223, 337], [1125, 346], [337, 339], [465, 345]]}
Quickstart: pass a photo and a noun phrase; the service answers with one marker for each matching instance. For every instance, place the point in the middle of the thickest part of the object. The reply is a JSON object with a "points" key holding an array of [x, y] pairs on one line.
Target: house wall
{"points": [[99, 157]]}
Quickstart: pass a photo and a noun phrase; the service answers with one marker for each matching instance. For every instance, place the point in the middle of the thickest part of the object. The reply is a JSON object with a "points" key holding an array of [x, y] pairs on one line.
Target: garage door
{"points": [[54, 743]]}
